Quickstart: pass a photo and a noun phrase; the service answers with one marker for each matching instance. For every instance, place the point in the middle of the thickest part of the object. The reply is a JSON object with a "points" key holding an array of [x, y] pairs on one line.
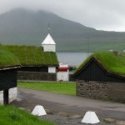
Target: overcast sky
{"points": [[99, 14]]}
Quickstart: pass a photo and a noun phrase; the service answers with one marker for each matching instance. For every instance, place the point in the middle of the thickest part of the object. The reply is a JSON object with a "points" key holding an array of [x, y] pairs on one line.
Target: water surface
{"points": [[72, 58]]}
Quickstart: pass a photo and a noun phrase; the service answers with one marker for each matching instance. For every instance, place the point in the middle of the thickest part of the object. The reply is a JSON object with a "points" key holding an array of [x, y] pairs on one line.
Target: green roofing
{"points": [[111, 61], [32, 56], [7, 59]]}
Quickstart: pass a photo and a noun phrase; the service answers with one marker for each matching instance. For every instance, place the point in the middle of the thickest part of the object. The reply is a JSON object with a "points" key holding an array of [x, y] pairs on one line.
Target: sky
{"points": [[100, 14]]}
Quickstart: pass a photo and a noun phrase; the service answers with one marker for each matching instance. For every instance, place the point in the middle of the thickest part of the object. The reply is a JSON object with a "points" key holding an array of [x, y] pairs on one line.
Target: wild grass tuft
{"points": [[10, 115]]}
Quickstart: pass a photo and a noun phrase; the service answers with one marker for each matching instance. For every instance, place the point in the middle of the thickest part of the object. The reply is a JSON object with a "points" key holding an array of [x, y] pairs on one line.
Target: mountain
{"points": [[20, 26]]}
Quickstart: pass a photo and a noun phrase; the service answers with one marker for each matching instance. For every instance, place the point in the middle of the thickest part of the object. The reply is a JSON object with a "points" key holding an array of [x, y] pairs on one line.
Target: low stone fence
{"points": [[101, 90], [24, 75]]}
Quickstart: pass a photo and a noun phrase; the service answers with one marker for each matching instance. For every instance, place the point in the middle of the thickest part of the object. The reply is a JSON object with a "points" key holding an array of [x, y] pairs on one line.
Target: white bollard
{"points": [[90, 117], [39, 111]]}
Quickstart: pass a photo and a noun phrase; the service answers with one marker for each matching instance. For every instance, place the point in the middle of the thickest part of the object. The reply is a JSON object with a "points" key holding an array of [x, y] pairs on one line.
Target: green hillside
{"points": [[112, 62], [31, 55], [69, 35]]}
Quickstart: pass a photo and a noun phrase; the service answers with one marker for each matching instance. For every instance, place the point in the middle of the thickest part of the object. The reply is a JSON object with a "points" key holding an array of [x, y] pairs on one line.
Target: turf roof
{"points": [[8, 59], [110, 61], [32, 56]]}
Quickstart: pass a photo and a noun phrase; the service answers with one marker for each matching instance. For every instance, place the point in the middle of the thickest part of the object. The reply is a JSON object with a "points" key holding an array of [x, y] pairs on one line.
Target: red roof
{"points": [[63, 69]]}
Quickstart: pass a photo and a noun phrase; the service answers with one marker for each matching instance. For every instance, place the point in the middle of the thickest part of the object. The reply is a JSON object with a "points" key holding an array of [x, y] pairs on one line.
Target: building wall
{"points": [[51, 69], [8, 79], [34, 69], [93, 71], [25, 75], [49, 48], [62, 76], [101, 90], [12, 95]]}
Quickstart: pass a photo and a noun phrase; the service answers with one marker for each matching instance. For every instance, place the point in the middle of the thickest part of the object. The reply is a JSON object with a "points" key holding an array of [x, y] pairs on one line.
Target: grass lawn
{"points": [[10, 115], [68, 88]]}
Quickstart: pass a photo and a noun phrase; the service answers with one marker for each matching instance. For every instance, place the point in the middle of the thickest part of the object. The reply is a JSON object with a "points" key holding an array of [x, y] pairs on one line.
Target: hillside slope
{"points": [[21, 26]]}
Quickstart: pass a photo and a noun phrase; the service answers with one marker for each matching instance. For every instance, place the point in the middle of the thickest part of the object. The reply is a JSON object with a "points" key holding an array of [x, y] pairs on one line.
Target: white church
{"points": [[49, 45]]}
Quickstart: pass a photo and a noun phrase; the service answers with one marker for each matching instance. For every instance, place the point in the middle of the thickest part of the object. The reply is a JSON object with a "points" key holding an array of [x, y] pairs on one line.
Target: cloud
{"points": [[100, 14]]}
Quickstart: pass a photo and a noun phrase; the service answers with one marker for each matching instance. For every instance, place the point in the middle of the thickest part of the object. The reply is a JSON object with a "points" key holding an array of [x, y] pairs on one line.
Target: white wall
{"points": [[1, 97], [12, 95], [62, 76], [49, 48], [51, 69]]}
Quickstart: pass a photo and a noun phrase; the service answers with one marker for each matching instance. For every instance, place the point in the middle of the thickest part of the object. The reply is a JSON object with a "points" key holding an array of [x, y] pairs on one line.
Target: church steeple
{"points": [[49, 44]]}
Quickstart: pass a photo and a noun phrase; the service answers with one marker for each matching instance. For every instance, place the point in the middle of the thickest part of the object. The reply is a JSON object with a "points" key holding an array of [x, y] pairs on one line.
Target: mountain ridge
{"points": [[22, 26]]}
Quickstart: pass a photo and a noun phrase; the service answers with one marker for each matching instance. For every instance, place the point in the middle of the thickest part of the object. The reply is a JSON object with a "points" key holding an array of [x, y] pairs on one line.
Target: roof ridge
{"points": [[48, 40]]}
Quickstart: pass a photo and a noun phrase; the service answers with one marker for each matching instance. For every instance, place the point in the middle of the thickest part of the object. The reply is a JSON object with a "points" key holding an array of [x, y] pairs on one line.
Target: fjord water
{"points": [[72, 58]]}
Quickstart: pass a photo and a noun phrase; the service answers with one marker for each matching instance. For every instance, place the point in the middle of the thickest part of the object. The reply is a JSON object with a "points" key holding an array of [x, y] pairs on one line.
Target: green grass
{"points": [[68, 88], [111, 61], [10, 115], [31, 55]]}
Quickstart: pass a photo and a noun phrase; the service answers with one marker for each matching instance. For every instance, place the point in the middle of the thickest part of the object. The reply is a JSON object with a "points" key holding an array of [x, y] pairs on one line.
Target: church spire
{"points": [[49, 44], [48, 28]]}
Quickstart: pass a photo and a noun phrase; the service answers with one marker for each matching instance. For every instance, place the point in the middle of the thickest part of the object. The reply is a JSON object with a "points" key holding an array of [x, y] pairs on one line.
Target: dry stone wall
{"points": [[101, 90]]}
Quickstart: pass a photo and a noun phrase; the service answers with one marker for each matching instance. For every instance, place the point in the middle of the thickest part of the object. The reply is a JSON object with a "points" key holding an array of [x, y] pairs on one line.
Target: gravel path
{"points": [[69, 110]]}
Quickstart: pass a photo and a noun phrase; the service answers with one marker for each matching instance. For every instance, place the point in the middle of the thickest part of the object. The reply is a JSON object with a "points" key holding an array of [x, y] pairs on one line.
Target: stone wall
{"points": [[12, 95], [24, 75], [101, 90]]}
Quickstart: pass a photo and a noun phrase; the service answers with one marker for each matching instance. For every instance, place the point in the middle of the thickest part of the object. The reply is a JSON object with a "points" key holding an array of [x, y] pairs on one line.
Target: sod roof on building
{"points": [[8, 60], [112, 62], [32, 56]]}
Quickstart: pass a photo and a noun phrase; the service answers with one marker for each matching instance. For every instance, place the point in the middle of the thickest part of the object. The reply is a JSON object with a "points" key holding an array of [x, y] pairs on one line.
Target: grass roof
{"points": [[8, 59], [32, 56], [112, 62]]}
